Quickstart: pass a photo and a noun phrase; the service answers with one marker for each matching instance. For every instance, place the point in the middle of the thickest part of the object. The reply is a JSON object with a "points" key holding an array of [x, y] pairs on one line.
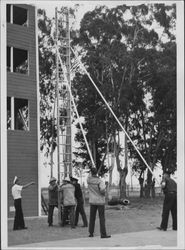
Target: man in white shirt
{"points": [[16, 193]]}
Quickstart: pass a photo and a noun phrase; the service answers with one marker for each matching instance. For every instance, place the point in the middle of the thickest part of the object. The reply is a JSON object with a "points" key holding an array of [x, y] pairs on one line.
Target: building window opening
{"points": [[20, 60], [21, 114], [8, 113], [19, 16], [17, 114], [8, 59], [16, 15], [17, 60], [8, 10]]}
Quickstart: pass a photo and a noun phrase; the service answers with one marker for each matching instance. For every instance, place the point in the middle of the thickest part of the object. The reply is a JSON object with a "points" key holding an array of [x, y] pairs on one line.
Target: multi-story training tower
{"points": [[22, 104]]}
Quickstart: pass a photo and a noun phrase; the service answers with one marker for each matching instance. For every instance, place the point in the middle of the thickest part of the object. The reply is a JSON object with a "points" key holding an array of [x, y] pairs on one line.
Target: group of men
{"points": [[71, 197], [71, 200]]}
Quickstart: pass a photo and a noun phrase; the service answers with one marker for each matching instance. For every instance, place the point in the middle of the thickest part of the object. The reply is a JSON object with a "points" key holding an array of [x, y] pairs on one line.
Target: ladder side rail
{"points": [[76, 111], [57, 87]]}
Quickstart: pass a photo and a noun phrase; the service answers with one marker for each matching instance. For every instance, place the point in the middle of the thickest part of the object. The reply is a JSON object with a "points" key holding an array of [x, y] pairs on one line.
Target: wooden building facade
{"points": [[22, 105]]}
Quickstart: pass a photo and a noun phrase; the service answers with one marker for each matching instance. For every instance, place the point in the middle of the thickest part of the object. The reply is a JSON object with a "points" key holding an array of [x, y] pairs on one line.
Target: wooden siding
{"points": [[23, 145]]}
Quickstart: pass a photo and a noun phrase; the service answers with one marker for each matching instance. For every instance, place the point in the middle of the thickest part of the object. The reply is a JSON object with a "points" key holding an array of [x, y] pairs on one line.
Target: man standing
{"points": [[97, 202], [80, 203], [169, 187], [17, 196], [68, 201], [53, 199]]}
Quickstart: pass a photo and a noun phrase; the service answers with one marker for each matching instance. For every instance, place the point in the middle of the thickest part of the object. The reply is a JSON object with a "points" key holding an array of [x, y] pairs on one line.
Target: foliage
{"points": [[129, 63], [134, 67]]}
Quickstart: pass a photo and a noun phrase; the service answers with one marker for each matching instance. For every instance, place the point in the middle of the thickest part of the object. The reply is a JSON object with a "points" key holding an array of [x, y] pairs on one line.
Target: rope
{"points": [[83, 67]]}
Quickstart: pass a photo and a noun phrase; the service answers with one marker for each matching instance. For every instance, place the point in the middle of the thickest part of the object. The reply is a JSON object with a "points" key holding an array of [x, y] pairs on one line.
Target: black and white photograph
{"points": [[92, 124]]}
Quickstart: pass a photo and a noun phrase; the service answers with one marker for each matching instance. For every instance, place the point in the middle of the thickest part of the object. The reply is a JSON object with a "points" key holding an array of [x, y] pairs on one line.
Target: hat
{"points": [[15, 179], [52, 179], [94, 171], [73, 179], [167, 171], [67, 179]]}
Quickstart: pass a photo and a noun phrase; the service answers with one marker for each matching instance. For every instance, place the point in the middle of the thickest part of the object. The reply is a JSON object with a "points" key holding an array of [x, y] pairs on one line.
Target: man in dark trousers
{"points": [[17, 196], [169, 187], [97, 190], [80, 203], [53, 199]]}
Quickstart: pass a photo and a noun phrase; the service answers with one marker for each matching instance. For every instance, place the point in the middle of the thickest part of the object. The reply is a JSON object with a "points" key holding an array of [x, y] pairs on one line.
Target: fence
{"points": [[113, 192]]}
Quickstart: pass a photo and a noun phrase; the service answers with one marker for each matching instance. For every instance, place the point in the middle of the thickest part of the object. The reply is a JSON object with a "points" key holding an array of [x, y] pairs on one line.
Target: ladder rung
{"points": [[65, 144], [65, 46], [63, 54], [64, 136], [64, 38], [65, 153], [69, 162]]}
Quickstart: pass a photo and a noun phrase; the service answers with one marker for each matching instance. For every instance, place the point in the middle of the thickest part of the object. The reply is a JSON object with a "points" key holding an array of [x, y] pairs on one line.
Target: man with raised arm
{"points": [[17, 196]]}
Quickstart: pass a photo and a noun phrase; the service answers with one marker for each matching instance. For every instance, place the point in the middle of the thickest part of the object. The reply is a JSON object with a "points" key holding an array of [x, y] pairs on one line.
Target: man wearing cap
{"points": [[80, 203], [97, 190], [67, 197], [53, 199], [17, 196], [169, 187]]}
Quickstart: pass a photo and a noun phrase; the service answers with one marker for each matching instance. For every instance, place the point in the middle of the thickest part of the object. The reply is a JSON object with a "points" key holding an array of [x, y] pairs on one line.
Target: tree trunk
{"points": [[122, 183], [153, 188], [141, 183], [122, 172], [111, 169], [148, 186]]}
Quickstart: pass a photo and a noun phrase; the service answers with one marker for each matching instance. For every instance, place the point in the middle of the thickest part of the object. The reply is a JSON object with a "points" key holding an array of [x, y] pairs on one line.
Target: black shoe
{"points": [[73, 227], [162, 229], [175, 229], [105, 236], [91, 235]]}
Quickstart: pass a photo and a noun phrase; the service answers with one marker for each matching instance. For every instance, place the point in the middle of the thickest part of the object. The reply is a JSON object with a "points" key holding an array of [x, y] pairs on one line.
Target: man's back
{"points": [[68, 191], [96, 190], [171, 185]]}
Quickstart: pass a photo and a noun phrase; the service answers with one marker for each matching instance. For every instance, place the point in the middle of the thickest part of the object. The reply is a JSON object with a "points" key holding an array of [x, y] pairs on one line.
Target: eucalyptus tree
{"points": [[123, 54], [154, 128], [120, 45], [46, 81], [113, 44]]}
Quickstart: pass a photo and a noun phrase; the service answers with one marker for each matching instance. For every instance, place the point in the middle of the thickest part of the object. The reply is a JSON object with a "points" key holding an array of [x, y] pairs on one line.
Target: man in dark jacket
{"points": [[97, 190], [53, 199], [80, 203], [169, 187]]}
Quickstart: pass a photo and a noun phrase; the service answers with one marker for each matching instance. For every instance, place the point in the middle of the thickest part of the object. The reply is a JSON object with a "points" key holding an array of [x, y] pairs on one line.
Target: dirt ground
{"points": [[140, 215]]}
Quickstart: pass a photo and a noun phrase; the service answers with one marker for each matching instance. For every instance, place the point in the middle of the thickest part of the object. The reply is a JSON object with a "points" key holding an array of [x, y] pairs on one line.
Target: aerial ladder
{"points": [[63, 106]]}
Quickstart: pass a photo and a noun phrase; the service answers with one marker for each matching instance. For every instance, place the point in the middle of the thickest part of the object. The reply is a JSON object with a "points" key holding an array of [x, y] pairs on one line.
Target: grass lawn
{"points": [[140, 215]]}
